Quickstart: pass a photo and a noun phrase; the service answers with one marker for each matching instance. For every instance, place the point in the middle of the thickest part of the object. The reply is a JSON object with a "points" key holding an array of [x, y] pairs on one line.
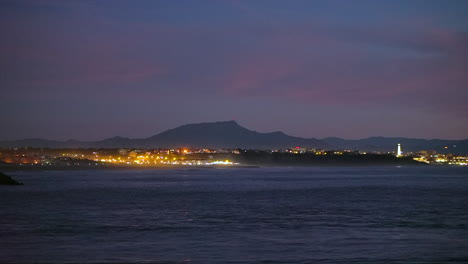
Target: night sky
{"points": [[94, 69]]}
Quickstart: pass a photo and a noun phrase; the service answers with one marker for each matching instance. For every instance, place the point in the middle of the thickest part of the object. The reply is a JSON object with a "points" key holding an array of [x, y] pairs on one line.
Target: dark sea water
{"points": [[265, 215]]}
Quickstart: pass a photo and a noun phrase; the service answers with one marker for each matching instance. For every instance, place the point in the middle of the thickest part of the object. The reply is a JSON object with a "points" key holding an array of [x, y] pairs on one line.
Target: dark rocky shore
{"points": [[7, 180]]}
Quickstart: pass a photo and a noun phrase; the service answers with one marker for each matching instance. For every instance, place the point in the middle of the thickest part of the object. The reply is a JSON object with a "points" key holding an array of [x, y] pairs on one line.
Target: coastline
{"points": [[29, 167]]}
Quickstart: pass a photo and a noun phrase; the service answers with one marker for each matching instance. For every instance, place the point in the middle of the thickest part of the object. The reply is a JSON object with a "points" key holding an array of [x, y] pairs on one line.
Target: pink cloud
{"points": [[320, 68], [303, 62]]}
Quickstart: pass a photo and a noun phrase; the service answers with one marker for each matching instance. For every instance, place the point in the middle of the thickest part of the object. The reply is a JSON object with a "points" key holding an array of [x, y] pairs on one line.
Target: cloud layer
{"points": [[98, 55]]}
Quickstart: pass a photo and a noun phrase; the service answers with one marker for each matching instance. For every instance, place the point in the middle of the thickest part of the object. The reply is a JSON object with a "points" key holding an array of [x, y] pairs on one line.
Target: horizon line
{"points": [[228, 121]]}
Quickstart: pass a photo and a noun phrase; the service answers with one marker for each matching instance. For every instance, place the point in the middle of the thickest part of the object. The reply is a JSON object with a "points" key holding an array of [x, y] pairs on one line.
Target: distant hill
{"points": [[384, 144], [229, 134]]}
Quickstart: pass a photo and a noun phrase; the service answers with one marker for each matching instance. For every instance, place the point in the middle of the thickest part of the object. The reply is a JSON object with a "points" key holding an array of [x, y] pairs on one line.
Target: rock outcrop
{"points": [[7, 180]]}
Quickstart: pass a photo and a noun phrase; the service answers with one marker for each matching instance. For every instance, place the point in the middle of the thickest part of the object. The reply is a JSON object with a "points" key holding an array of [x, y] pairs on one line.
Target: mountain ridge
{"points": [[229, 134]]}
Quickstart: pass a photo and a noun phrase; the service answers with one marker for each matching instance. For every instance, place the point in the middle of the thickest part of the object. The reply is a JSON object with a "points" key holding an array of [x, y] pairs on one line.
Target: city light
{"points": [[203, 157]]}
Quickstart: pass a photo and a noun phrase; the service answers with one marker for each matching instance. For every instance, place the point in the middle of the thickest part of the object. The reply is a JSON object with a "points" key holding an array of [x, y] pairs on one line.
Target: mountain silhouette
{"points": [[229, 134]]}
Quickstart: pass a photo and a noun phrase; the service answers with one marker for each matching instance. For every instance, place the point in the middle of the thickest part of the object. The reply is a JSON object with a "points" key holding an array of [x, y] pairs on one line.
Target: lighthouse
{"points": [[399, 153]]}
